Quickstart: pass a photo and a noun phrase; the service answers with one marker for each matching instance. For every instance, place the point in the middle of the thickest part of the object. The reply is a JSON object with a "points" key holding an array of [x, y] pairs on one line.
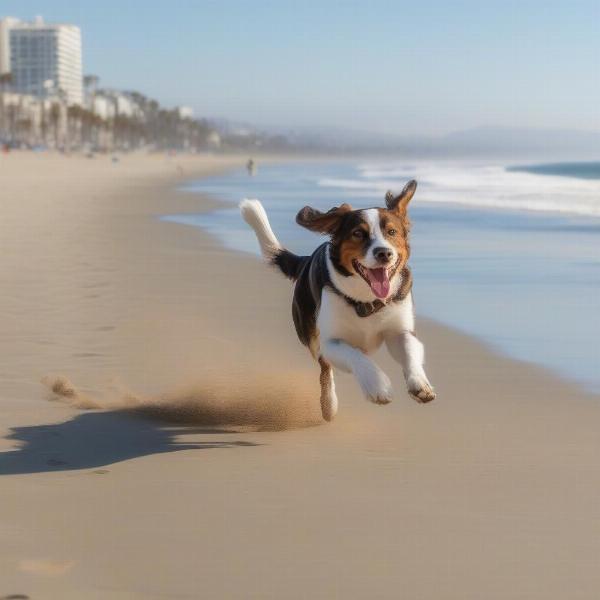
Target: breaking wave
{"points": [[476, 185]]}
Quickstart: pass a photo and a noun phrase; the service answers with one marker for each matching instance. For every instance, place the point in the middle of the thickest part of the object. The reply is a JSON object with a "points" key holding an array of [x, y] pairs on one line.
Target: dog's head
{"points": [[369, 243]]}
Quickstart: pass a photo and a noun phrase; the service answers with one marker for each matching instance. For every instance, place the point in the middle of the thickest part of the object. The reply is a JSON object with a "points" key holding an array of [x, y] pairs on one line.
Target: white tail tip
{"points": [[254, 214]]}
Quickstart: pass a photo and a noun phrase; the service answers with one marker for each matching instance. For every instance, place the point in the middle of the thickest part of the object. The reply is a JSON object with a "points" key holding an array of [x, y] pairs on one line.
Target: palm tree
{"points": [[44, 124], [5, 81], [23, 129], [55, 120], [75, 120], [90, 83]]}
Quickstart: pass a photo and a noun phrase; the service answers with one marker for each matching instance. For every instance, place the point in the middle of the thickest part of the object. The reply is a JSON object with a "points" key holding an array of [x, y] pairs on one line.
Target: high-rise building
{"points": [[46, 59], [5, 27]]}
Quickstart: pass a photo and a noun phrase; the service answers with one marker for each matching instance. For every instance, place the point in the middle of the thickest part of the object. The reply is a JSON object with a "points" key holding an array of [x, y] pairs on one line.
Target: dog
{"points": [[352, 294]]}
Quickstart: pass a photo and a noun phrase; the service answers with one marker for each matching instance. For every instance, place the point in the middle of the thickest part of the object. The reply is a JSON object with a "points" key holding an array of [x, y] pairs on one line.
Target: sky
{"points": [[414, 68]]}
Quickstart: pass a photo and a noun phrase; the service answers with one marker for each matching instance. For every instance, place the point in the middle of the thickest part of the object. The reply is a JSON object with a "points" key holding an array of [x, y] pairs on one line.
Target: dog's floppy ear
{"points": [[400, 202], [315, 220]]}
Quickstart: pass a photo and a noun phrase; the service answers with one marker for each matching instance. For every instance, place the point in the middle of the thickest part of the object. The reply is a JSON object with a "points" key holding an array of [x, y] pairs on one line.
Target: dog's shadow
{"points": [[92, 440]]}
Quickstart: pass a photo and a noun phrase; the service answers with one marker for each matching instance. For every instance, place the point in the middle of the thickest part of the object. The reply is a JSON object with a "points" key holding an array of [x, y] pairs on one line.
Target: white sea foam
{"points": [[490, 186]]}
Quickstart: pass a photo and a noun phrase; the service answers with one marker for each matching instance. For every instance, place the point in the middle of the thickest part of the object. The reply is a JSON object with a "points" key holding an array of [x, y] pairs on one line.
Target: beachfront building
{"points": [[32, 121], [45, 59], [108, 104], [6, 24], [185, 112]]}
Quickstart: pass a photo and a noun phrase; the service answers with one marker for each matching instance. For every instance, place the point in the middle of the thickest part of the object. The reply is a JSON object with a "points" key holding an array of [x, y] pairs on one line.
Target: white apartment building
{"points": [[185, 112], [45, 59], [107, 104], [5, 26]]}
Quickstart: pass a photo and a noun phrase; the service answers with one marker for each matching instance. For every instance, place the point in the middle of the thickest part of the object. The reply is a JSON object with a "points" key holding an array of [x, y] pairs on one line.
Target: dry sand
{"points": [[208, 473]]}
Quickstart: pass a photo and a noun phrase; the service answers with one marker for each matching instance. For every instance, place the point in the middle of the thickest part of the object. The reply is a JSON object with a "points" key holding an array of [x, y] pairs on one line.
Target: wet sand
{"points": [[208, 472]]}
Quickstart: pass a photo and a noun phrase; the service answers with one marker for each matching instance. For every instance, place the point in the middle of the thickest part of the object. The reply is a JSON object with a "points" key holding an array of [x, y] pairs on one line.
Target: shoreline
{"points": [[490, 491]]}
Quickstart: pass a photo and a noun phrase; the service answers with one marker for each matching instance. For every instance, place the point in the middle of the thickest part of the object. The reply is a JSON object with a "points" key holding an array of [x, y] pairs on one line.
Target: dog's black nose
{"points": [[382, 255]]}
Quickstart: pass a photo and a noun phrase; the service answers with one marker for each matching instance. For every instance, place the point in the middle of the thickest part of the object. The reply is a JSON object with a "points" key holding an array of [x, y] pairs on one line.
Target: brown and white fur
{"points": [[353, 294]]}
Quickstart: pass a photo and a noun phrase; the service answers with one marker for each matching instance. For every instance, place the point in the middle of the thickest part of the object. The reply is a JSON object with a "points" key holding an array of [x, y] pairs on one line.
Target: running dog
{"points": [[353, 293]]}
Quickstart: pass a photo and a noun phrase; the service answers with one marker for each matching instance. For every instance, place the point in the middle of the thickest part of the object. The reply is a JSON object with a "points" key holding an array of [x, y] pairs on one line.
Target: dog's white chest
{"points": [[338, 320]]}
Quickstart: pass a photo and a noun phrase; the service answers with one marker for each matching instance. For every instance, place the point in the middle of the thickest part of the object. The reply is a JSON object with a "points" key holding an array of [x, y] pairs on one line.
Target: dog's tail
{"points": [[289, 263]]}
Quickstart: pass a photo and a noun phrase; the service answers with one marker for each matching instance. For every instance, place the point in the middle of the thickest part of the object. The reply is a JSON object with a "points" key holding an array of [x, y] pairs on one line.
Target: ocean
{"points": [[507, 253]]}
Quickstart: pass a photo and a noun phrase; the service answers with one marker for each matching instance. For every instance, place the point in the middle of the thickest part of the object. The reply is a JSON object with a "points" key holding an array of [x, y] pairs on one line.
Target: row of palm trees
{"points": [[51, 122], [28, 121], [160, 127]]}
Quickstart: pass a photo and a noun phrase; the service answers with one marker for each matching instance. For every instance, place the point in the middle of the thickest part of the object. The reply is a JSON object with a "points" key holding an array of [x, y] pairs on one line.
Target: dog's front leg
{"points": [[329, 401], [409, 352], [373, 381]]}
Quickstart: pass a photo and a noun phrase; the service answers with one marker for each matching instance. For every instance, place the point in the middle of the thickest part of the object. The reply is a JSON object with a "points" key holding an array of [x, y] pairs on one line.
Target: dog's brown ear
{"points": [[400, 202], [315, 220]]}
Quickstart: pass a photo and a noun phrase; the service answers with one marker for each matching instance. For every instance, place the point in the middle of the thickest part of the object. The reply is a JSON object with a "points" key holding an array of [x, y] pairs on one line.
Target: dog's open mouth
{"points": [[378, 278]]}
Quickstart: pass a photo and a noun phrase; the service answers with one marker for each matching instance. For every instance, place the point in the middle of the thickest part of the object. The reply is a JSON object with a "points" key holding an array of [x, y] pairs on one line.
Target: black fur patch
{"points": [[335, 261], [312, 279], [289, 263], [348, 224]]}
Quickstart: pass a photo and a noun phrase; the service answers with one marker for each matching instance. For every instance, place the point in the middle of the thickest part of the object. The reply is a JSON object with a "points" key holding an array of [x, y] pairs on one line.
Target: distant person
{"points": [[251, 166]]}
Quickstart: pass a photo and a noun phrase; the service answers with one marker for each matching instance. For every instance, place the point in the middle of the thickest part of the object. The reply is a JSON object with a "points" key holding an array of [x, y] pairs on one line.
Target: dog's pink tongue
{"points": [[380, 284]]}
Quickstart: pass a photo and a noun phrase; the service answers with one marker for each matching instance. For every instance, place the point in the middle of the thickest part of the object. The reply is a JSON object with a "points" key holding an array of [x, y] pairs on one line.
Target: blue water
{"points": [[578, 170], [487, 258]]}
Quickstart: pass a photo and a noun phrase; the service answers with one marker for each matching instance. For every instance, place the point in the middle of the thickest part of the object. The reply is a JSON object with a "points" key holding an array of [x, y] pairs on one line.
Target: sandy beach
{"points": [[160, 430]]}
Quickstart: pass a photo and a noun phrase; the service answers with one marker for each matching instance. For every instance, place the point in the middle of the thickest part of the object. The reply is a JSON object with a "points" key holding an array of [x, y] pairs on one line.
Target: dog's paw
{"points": [[420, 389], [381, 400], [376, 385]]}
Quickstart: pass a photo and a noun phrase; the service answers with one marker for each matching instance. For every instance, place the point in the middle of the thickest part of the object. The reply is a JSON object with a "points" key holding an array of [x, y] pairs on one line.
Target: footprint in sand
{"points": [[46, 567]]}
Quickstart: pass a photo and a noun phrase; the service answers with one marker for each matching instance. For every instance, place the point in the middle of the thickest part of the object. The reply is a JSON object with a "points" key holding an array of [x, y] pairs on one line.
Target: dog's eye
{"points": [[359, 234], [392, 232]]}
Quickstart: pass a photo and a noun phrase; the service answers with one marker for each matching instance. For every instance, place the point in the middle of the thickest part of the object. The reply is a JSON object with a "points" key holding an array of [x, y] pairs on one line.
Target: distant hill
{"points": [[477, 142], [522, 141]]}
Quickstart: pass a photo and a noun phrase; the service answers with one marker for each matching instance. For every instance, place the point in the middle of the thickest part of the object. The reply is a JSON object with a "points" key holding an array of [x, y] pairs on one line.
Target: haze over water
{"points": [[511, 256]]}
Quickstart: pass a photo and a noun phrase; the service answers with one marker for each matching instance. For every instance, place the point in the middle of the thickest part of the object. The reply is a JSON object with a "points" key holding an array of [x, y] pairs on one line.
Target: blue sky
{"points": [[398, 67]]}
